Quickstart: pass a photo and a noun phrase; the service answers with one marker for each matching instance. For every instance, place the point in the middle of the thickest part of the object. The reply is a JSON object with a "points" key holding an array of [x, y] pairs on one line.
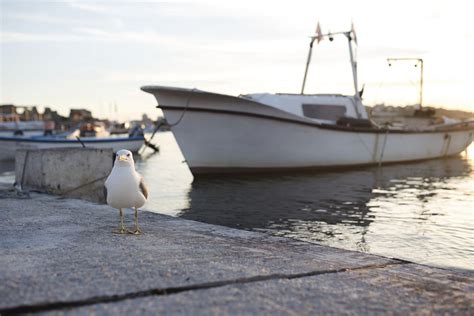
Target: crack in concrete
{"points": [[43, 307]]}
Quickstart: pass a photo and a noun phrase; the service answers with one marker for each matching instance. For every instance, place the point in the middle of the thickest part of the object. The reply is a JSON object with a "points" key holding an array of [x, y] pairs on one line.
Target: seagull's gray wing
{"points": [[143, 188], [105, 192]]}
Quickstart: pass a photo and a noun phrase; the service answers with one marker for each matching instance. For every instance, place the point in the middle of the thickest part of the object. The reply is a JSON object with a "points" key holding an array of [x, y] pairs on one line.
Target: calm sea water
{"points": [[422, 212]]}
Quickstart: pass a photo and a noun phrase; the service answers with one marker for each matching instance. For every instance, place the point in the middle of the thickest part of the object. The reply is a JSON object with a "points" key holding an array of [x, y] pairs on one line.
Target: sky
{"points": [[97, 54]]}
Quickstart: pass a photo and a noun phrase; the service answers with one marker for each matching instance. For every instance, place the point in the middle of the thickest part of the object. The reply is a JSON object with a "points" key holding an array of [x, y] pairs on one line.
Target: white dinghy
{"points": [[266, 132], [9, 145]]}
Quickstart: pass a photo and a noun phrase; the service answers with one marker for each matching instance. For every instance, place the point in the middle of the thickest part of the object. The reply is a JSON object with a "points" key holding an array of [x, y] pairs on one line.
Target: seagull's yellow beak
{"points": [[122, 158]]}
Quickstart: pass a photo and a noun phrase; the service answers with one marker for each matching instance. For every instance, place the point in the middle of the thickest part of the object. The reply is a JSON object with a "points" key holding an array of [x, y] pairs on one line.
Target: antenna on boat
{"points": [[319, 36], [419, 61], [351, 36]]}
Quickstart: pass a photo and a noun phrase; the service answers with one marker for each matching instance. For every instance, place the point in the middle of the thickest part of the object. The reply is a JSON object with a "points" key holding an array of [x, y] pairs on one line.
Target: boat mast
{"points": [[418, 61], [307, 64], [353, 63], [318, 36], [350, 35]]}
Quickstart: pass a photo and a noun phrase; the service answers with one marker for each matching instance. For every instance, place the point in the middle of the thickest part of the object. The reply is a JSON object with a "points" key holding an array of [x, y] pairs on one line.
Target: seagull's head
{"points": [[124, 157]]}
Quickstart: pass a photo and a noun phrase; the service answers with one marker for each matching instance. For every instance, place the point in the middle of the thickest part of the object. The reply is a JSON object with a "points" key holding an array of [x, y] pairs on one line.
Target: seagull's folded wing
{"points": [[143, 188]]}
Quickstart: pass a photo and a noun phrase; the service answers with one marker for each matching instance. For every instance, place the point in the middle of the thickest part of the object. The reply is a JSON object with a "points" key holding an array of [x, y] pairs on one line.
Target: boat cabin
{"points": [[322, 108]]}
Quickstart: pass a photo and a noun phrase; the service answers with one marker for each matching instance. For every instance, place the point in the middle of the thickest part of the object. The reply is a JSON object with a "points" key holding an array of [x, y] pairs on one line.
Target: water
{"points": [[422, 212]]}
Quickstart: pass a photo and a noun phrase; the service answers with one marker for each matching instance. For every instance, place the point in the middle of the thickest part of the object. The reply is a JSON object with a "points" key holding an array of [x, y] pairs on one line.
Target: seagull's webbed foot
{"points": [[121, 230], [137, 231]]}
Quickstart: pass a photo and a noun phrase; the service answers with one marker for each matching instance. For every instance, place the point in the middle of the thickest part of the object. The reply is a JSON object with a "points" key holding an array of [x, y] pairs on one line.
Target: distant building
{"points": [[49, 119], [59, 121], [7, 109], [8, 113], [30, 113], [80, 115], [146, 120], [50, 115]]}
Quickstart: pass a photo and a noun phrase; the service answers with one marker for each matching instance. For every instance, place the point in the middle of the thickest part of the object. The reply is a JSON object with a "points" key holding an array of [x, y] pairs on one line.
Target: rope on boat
{"points": [[447, 142], [182, 114], [80, 141], [365, 145], [383, 148], [148, 142]]}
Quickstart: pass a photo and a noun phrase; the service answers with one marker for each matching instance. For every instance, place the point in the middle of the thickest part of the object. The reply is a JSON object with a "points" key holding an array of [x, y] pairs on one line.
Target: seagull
{"points": [[125, 188]]}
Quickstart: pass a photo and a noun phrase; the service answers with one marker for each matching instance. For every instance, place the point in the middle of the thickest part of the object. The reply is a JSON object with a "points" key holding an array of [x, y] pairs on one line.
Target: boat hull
{"points": [[222, 134], [9, 145]]}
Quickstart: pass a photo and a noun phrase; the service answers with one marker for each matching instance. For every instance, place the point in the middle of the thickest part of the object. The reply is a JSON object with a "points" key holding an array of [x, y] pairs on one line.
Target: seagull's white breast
{"points": [[123, 188]]}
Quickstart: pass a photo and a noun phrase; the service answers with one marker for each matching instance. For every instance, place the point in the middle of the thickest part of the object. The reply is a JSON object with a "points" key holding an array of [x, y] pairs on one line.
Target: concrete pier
{"points": [[65, 171], [60, 256]]}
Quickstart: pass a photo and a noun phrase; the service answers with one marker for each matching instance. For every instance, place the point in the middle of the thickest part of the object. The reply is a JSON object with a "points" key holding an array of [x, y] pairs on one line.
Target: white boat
{"points": [[23, 128], [24, 133], [9, 145], [264, 132]]}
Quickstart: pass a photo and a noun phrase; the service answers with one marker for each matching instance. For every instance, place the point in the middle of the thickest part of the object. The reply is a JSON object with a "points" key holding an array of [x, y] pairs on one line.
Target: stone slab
{"points": [[407, 289]]}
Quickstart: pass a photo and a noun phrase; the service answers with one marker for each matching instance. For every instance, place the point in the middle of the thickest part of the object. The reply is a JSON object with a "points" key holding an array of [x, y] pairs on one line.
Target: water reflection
{"points": [[314, 206], [395, 210]]}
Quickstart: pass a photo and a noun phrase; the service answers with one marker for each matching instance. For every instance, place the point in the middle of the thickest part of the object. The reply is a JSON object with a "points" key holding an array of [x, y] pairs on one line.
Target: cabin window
{"points": [[324, 112]]}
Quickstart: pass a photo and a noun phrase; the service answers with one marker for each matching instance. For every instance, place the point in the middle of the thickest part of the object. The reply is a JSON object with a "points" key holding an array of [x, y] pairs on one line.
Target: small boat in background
{"points": [[96, 129], [22, 128], [9, 144]]}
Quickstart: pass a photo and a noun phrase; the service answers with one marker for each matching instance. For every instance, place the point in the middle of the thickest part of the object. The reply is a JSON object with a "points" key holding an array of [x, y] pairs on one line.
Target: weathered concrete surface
{"points": [[395, 289], [72, 172], [60, 253]]}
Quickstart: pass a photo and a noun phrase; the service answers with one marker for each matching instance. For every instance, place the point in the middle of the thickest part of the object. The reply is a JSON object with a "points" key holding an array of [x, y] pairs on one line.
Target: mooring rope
{"points": [[383, 148], [148, 142], [85, 184]]}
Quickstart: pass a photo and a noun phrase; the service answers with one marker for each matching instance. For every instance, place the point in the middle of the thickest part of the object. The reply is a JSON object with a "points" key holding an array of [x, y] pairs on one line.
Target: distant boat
{"points": [[21, 128], [267, 132], [9, 145]]}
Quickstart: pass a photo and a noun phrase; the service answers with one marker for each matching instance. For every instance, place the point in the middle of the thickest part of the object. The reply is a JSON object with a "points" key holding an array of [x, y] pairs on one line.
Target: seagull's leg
{"points": [[137, 231], [122, 229]]}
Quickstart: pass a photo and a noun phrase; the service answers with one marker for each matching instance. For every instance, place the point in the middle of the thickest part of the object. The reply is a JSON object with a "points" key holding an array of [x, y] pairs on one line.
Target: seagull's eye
{"points": [[128, 155]]}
